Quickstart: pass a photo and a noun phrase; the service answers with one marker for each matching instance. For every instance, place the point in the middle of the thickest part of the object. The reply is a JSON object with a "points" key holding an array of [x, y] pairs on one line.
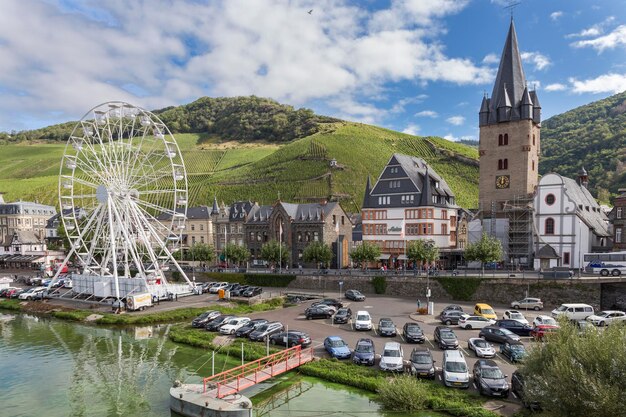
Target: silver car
{"points": [[528, 303]]}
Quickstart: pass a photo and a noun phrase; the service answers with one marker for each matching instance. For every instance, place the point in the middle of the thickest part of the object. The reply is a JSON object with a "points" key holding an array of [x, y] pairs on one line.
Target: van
{"points": [[573, 311], [485, 310], [454, 369]]}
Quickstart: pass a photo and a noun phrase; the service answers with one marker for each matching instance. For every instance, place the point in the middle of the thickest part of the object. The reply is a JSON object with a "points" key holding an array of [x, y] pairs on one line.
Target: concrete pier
{"points": [[189, 400]]}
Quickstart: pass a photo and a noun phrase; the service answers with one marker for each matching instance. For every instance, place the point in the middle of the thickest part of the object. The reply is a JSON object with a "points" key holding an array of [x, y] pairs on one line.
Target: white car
{"points": [[481, 347], [32, 293], [544, 320], [362, 320], [233, 325], [392, 358], [604, 318], [474, 322], [218, 286], [514, 315]]}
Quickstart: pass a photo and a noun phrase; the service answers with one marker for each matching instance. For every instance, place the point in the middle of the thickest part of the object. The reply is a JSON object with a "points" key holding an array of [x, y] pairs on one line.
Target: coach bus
{"points": [[610, 263]]}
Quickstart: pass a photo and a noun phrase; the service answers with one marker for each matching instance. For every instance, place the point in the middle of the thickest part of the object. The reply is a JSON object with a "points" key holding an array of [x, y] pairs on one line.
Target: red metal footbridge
{"points": [[242, 377]]}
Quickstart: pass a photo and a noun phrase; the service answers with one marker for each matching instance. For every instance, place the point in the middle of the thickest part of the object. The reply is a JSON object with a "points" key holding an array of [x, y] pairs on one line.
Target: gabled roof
{"points": [[193, 213], [239, 210], [547, 252], [260, 214]]}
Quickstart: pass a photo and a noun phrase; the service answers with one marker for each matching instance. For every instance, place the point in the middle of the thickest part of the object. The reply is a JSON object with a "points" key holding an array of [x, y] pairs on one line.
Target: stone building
{"points": [[509, 149], [229, 223], [617, 217], [409, 201], [298, 225]]}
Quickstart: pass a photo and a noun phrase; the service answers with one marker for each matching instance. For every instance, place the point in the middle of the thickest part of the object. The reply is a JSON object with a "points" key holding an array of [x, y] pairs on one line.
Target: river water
{"points": [[54, 368]]}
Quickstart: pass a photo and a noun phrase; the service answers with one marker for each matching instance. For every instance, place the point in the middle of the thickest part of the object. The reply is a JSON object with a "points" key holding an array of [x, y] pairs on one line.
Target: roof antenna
{"points": [[511, 6]]}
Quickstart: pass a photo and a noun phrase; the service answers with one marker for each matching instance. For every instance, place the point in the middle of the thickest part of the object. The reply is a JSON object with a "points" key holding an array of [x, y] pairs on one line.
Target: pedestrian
{"points": [[419, 303]]}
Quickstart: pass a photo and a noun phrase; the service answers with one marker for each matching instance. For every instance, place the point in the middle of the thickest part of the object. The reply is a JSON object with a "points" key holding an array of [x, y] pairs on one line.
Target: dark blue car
{"points": [[364, 352], [336, 347]]}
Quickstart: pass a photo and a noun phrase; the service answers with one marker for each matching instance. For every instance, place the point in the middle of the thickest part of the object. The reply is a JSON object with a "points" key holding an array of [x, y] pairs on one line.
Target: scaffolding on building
{"points": [[519, 213]]}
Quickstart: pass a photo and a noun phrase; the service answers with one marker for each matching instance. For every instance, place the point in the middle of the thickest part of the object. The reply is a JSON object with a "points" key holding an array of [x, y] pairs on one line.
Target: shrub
{"points": [[380, 284], [344, 373], [459, 288], [269, 280], [223, 276], [404, 393], [422, 310]]}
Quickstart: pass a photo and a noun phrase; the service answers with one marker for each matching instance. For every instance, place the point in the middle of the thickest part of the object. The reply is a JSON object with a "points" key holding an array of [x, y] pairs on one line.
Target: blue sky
{"points": [[419, 66]]}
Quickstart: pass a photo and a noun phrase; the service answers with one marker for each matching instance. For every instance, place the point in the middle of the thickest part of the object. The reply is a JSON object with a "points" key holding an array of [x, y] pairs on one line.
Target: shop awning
{"points": [[403, 258], [384, 256]]}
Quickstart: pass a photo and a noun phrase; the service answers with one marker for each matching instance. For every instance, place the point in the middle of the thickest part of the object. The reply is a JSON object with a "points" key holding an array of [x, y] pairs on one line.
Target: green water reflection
{"points": [[54, 368]]}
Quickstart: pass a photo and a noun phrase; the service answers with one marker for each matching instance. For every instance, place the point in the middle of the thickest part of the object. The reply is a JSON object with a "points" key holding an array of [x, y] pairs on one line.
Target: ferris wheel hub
{"points": [[102, 194]]}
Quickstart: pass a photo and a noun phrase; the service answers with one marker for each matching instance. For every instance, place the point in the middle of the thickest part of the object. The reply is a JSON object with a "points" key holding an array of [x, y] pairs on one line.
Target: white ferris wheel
{"points": [[123, 196]]}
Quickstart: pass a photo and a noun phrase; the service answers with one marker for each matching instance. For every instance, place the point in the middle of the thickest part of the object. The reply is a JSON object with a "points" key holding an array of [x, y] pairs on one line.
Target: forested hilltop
{"points": [[243, 119], [591, 136]]}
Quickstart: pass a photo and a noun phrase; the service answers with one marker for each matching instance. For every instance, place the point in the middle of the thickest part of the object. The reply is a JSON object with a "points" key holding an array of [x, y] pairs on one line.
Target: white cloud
{"points": [[555, 87], [491, 59], [62, 57], [556, 15], [456, 120], [610, 41], [411, 129], [427, 113], [399, 106], [453, 138], [607, 83], [539, 60], [594, 30]]}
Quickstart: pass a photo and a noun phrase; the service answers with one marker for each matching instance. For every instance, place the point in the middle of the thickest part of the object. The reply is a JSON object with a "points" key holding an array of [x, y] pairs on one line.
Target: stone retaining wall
{"points": [[496, 290]]}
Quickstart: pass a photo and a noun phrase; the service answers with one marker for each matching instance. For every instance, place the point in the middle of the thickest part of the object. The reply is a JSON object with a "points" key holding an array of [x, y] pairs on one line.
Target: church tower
{"points": [[509, 147]]}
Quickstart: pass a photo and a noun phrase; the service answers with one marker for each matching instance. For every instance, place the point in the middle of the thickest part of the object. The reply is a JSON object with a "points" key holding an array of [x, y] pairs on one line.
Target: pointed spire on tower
{"points": [[368, 190], [215, 210]]}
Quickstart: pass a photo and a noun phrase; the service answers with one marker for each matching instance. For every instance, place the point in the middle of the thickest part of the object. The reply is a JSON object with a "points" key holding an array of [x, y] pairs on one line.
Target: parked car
{"points": [[204, 318], [232, 325], [363, 320], [4, 291], [213, 289], [573, 311], [336, 347], [392, 358], [449, 317], [454, 370], [544, 320], [514, 315], [252, 292], [16, 293], [542, 330], [291, 338], [264, 331], [206, 285], [354, 295], [604, 318], [215, 324], [454, 307], [386, 327], [364, 352], [515, 326], [496, 334], [318, 312], [485, 310], [518, 387], [583, 326], [474, 322], [445, 338], [244, 331], [34, 293], [422, 363], [489, 379], [329, 302], [481, 347], [528, 303], [515, 351], [238, 292], [342, 316], [413, 333]]}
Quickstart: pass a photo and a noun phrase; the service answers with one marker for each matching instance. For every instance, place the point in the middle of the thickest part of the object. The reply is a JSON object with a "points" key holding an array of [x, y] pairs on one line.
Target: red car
{"points": [[538, 332]]}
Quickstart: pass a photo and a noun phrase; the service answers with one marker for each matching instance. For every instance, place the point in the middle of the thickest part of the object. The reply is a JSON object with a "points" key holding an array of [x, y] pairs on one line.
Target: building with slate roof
{"points": [[509, 149], [198, 225], [23, 216], [409, 201], [300, 224], [568, 222]]}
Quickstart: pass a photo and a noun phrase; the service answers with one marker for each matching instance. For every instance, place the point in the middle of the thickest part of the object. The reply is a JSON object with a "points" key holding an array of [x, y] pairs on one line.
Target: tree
{"points": [[236, 254], [423, 251], [487, 249], [201, 252], [364, 253], [319, 253], [578, 373], [273, 252]]}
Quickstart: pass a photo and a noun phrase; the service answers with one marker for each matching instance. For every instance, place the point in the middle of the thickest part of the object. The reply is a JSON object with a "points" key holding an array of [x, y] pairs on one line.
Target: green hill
{"points": [[591, 136], [297, 171]]}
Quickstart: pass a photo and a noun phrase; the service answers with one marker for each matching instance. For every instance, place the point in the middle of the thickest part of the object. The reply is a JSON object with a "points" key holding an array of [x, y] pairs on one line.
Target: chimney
{"points": [[583, 178]]}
